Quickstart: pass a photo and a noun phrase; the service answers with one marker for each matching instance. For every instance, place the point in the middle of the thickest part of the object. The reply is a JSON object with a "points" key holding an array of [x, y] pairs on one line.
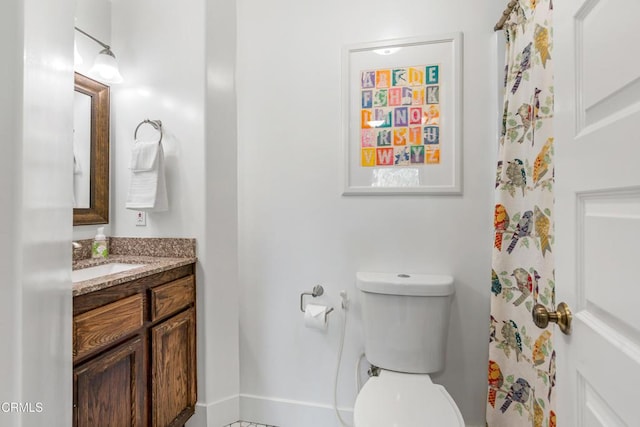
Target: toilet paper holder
{"points": [[316, 292]]}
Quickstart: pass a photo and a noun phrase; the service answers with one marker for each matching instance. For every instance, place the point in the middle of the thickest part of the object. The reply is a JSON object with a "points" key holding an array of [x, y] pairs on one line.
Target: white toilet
{"points": [[405, 320]]}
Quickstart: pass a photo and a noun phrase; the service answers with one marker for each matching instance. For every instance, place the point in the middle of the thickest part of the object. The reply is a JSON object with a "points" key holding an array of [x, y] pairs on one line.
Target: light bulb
{"points": [[105, 67]]}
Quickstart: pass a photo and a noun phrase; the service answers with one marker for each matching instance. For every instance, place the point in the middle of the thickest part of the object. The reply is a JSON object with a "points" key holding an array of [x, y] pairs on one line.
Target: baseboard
{"points": [[199, 418], [290, 413], [216, 414], [293, 413]]}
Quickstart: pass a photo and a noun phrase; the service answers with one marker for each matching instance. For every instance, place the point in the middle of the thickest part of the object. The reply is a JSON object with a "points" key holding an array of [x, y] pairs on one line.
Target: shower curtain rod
{"points": [[505, 15]]}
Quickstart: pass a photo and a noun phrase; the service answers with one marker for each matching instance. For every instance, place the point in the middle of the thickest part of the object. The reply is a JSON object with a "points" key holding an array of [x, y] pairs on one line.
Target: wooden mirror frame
{"points": [[98, 210]]}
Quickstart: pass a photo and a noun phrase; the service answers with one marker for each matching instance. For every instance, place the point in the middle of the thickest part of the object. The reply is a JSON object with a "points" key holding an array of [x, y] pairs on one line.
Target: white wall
{"points": [[11, 28], [175, 57], [36, 40], [93, 17], [160, 48], [296, 230], [220, 298]]}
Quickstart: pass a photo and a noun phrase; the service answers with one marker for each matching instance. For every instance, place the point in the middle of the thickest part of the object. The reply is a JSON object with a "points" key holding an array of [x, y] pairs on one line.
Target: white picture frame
{"points": [[372, 126]]}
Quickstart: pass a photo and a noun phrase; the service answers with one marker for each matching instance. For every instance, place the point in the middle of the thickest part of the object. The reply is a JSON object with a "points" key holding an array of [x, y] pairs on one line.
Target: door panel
{"points": [[597, 81], [607, 72], [596, 412], [610, 228], [606, 366]]}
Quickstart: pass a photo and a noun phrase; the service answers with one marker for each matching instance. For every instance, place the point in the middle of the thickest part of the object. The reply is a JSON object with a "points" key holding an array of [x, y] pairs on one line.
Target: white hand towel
{"points": [[144, 155], [148, 189]]}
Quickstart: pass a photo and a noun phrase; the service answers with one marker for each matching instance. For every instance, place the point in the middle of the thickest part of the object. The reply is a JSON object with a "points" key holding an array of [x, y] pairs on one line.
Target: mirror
{"points": [[90, 152]]}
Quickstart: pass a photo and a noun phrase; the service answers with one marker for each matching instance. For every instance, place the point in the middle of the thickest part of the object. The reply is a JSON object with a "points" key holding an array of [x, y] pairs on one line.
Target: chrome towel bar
{"points": [[157, 125]]}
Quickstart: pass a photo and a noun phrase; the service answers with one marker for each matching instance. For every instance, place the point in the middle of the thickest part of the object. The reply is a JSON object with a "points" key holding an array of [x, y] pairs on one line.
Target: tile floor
{"points": [[247, 424]]}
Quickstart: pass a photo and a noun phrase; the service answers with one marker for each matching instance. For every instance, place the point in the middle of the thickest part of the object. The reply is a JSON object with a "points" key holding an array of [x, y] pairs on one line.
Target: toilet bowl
{"points": [[405, 319], [395, 399]]}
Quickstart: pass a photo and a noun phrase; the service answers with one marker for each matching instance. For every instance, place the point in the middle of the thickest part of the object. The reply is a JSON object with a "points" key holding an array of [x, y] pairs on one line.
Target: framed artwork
{"points": [[402, 102]]}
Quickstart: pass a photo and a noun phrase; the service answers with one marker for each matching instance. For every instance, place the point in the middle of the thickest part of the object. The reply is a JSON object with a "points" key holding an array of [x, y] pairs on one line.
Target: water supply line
{"points": [[345, 306]]}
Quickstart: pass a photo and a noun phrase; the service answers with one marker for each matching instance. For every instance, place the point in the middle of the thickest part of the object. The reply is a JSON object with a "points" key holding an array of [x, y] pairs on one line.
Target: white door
{"points": [[597, 85]]}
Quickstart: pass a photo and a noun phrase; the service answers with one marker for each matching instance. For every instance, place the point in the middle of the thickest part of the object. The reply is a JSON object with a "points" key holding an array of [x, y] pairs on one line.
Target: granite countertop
{"points": [[152, 265], [157, 255]]}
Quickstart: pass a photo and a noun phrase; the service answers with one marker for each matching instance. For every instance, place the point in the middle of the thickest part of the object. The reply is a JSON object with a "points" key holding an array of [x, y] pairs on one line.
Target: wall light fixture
{"points": [[105, 66]]}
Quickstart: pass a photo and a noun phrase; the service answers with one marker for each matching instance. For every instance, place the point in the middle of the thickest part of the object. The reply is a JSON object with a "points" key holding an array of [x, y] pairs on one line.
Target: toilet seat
{"points": [[395, 399]]}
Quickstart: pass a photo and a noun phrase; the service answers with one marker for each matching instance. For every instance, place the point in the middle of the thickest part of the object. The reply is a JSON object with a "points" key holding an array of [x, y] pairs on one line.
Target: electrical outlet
{"points": [[141, 219]]}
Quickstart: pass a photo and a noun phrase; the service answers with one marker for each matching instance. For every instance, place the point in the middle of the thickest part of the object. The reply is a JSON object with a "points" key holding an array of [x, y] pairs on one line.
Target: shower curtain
{"points": [[522, 361]]}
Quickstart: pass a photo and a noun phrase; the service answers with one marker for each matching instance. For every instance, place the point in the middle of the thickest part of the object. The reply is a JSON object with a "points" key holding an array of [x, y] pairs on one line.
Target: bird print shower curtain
{"points": [[522, 361]]}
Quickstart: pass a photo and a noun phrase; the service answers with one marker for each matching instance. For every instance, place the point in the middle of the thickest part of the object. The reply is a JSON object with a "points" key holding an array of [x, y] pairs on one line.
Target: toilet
{"points": [[405, 319]]}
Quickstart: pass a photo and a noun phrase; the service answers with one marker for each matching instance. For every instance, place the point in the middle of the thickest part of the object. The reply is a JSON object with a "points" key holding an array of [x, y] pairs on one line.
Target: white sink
{"points": [[101, 270]]}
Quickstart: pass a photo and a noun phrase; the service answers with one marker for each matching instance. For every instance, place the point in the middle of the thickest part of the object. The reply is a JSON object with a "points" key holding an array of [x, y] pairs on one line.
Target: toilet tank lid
{"points": [[405, 284]]}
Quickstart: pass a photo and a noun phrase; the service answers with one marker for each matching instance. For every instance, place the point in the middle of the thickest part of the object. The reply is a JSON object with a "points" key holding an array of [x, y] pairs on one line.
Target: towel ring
{"points": [[157, 125]]}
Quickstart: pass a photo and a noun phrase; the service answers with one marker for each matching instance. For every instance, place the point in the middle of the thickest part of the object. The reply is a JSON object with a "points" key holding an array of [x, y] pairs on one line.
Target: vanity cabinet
{"points": [[173, 349], [134, 352], [173, 368], [109, 389]]}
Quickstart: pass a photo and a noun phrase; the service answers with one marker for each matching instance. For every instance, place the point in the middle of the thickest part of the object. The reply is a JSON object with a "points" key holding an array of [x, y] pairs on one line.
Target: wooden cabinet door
{"points": [[109, 389], [173, 369]]}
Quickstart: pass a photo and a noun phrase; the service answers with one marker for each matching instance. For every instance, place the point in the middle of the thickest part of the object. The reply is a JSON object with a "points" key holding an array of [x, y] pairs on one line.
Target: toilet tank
{"points": [[405, 319]]}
